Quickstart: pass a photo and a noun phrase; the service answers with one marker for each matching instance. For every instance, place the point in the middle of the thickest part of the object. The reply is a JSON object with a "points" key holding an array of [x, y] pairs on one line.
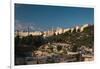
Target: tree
{"points": [[17, 40]]}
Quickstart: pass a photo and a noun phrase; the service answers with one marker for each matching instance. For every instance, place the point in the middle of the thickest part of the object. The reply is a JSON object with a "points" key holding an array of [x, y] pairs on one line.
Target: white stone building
{"points": [[84, 26]]}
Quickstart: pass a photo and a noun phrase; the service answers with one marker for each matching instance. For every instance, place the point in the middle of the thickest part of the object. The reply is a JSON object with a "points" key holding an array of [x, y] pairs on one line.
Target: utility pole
{"points": [[28, 31]]}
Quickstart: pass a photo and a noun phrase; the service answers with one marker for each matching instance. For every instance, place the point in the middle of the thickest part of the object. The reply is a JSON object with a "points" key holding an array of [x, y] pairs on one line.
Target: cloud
{"points": [[21, 26], [24, 26]]}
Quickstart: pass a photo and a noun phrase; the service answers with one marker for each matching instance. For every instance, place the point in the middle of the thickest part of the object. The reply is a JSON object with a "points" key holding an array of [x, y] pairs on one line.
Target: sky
{"points": [[46, 17]]}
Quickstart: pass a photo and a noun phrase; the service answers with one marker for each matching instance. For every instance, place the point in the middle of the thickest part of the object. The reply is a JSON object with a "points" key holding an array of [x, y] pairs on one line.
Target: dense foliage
{"points": [[76, 39]]}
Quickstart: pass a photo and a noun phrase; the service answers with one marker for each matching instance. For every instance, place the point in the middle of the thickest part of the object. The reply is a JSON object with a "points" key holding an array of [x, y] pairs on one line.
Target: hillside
{"points": [[65, 47]]}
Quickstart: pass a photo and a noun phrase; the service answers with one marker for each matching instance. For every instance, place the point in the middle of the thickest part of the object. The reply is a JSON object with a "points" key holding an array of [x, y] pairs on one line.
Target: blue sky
{"points": [[43, 17]]}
